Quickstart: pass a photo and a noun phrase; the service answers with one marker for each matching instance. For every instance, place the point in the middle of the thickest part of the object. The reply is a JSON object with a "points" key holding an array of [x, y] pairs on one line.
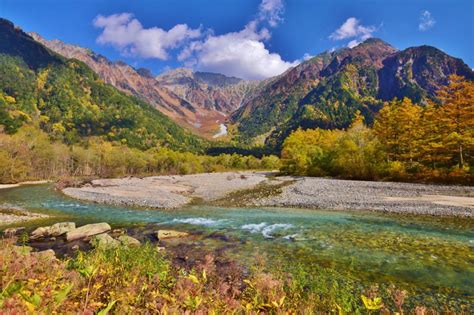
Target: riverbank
{"points": [[264, 189], [37, 182], [12, 215]]}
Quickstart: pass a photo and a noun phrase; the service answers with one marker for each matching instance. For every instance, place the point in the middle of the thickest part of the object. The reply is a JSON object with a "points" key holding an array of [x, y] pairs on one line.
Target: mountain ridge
{"points": [[327, 90]]}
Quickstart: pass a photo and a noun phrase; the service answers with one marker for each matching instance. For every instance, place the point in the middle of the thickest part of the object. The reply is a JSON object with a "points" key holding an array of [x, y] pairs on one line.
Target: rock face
{"points": [[87, 230], [207, 90], [327, 90], [167, 234]]}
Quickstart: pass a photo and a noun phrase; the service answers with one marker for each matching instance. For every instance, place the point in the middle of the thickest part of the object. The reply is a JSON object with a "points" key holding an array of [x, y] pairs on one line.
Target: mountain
{"points": [[67, 99], [211, 91], [327, 90], [203, 120]]}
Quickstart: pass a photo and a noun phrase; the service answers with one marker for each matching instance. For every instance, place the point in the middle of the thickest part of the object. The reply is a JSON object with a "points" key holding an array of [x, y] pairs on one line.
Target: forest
{"points": [[432, 141]]}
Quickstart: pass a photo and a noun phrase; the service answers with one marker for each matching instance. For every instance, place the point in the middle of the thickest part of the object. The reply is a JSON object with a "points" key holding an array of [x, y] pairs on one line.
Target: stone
{"points": [[61, 228], [22, 249], [104, 241], [48, 254], [56, 229], [160, 249], [87, 230], [75, 247], [166, 234], [40, 232], [13, 231], [128, 241]]}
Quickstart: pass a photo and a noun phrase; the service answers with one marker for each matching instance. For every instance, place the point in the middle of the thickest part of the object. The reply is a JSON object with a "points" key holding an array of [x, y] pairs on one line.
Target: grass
{"points": [[142, 280]]}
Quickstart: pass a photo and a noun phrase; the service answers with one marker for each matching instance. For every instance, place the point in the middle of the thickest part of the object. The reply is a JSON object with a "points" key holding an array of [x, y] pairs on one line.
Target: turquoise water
{"points": [[436, 254]]}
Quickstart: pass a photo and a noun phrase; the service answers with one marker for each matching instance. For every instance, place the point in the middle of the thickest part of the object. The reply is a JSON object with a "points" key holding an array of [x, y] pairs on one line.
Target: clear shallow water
{"points": [[436, 254]]}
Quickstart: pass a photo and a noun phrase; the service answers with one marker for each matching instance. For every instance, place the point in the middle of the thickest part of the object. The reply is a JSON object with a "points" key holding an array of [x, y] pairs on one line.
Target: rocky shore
{"points": [[245, 189], [10, 214]]}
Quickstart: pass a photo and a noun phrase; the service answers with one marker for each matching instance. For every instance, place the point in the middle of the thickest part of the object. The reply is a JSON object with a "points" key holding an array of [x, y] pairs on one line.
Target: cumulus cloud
{"points": [[426, 21], [127, 34], [354, 30], [242, 53]]}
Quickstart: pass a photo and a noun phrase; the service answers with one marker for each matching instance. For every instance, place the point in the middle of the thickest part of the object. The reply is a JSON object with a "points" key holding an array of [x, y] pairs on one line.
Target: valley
{"points": [[333, 183]]}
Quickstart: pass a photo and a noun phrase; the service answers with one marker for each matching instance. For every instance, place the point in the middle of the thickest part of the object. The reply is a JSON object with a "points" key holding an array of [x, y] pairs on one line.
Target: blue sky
{"points": [[246, 38]]}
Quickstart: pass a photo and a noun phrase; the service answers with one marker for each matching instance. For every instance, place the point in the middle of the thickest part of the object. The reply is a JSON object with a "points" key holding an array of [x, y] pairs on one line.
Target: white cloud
{"points": [[129, 36], [353, 29], [242, 53], [426, 21], [271, 11], [353, 43]]}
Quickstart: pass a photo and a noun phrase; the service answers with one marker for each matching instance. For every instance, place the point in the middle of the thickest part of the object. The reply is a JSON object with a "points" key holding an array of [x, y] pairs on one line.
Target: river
{"points": [[431, 254]]}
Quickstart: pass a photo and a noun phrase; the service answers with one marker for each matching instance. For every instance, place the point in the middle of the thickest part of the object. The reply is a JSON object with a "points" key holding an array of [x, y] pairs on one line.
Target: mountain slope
{"points": [[327, 90], [140, 83], [212, 91], [68, 100]]}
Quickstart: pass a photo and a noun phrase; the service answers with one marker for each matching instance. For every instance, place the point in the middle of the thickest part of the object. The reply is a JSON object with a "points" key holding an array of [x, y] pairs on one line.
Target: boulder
{"points": [[56, 229], [61, 228], [87, 230], [40, 232], [13, 231], [104, 241], [48, 254], [165, 234], [128, 241], [22, 249]]}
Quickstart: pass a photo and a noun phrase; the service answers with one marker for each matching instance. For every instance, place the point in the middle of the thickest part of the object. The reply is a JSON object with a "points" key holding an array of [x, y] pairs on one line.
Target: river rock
{"points": [[128, 241], [104, 241], [165, 234], [13, 231], [48, 254], [61, 228], [87, 230], [22, 249], [40, 232], [56, 229]]}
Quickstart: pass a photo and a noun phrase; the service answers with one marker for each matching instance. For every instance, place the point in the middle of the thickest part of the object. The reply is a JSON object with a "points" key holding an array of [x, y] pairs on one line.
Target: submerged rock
{"points": [[165, 234], [88, 230], [104, 241], [128, 241]]}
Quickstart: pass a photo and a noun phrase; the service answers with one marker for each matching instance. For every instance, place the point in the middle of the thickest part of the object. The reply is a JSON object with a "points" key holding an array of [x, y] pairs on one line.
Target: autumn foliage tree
{"points": [[456, 118]]}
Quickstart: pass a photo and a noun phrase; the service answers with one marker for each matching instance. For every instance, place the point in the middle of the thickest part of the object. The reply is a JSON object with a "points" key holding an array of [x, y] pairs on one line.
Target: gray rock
{"points": [[40, 232], [166, 234], [56, 229], [87, 230], [75, 247], [104, 241], [61, 228], [48, 254], [22, 249], [13, 231], [128, 241]]}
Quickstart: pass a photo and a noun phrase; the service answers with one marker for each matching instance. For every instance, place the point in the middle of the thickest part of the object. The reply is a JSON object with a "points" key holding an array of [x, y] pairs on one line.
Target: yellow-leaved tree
{"points": [[456, 117]]}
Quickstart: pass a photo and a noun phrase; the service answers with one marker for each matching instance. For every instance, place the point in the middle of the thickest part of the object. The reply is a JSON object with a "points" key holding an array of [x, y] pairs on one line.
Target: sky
{"points": [[251, 39]]}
